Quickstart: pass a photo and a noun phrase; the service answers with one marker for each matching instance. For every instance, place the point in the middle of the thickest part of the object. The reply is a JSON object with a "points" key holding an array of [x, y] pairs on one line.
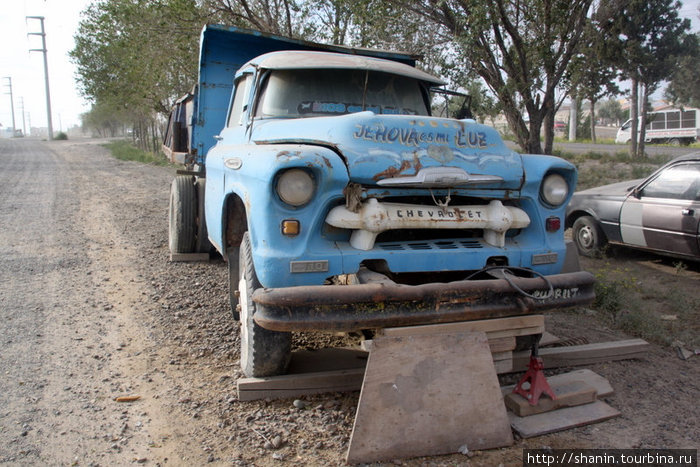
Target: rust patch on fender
{"points": [[392, 172]]}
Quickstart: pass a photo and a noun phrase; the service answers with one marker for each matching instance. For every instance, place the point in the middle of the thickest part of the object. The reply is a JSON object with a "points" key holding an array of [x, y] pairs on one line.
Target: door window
{"points": [[240, 99], [678, 182]]}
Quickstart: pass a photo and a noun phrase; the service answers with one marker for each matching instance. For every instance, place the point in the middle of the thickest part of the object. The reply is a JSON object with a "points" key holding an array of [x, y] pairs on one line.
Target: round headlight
{"points": [[295, 187], [554, 189]]}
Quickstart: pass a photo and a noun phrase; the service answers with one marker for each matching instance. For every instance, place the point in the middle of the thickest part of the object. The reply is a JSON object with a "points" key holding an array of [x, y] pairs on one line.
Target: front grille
{"points": [[430, 245]]}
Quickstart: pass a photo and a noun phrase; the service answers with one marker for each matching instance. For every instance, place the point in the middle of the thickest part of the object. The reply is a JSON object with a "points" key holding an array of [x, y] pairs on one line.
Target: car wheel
{"points": [[263, 352], [588, 236], [182, 215]]}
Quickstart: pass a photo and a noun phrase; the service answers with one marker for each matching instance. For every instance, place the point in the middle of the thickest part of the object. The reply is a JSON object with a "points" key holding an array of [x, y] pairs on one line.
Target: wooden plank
{"points": [[508, 355], [561, 419], [496, 345], [310, 372], [503, 366], [569, 394], [421, 394], [548, 339], [484, 325], [502, 344], [188, 257], [515, 332], [279, 387], [591, 378], [584, 354]]}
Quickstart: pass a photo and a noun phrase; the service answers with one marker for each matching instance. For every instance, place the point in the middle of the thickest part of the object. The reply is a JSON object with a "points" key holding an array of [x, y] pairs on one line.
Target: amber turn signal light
{"points": [[290, 227]]}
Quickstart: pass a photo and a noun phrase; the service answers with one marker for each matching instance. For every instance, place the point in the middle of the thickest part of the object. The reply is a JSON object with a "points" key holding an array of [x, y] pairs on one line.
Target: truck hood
{"points": [[402, 150]]}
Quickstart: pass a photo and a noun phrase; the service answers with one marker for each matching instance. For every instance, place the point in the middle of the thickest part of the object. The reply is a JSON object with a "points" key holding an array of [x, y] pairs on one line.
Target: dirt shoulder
{"points": [[92, 310]]}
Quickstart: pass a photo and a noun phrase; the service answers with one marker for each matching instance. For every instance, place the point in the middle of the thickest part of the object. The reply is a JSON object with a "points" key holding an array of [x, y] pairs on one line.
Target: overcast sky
{"points": [[61, 21]]}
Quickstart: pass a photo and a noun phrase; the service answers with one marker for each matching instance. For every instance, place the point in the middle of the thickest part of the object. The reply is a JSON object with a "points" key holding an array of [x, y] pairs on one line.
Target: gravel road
{"points": [[92, 310]]}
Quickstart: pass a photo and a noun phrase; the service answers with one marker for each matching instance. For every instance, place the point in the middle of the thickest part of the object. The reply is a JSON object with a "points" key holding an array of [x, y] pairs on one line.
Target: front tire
{"points": [[182, 215], [588, 236], [263, 352], [202, 244]]}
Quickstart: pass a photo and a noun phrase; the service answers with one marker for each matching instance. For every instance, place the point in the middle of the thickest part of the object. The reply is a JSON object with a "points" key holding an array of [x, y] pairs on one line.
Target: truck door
{"points": [[665, 214]]}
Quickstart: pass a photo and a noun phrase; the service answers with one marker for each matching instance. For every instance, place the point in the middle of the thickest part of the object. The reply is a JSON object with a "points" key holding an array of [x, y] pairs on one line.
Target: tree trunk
{"points": [[534, 143], [517, 125], [593, 121], [549, 131], [634, 116], [643, 122]]}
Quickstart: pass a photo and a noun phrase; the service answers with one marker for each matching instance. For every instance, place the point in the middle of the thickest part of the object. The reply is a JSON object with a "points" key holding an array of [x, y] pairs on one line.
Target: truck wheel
{"points": [[263, 352], [588, 236], [233, 257], [182, 215], [202, 245], [674, 142]]}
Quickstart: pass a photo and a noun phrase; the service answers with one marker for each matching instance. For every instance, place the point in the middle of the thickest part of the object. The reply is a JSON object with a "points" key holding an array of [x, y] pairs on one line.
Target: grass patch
{"points": [[565, 139], [620, 304], [125, 151]]}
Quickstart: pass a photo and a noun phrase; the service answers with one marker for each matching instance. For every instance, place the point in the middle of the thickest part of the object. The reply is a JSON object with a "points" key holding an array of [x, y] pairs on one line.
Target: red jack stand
{"points": [[535, 377]]}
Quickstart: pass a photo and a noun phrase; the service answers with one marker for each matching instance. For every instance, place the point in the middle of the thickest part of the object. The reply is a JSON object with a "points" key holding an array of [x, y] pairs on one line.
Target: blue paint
{"points": [[348, 144]]}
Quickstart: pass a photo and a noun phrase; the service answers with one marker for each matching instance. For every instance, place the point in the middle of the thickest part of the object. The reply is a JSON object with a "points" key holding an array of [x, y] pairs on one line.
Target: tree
{"points": [[645, 38], [611, 110], [136, 57], [274, 16], [590, 77], [520, 48], [684, 88]]}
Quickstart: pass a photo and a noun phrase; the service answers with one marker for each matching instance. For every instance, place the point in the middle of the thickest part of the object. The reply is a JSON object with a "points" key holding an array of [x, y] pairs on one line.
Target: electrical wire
{"points": [[508, 271]]}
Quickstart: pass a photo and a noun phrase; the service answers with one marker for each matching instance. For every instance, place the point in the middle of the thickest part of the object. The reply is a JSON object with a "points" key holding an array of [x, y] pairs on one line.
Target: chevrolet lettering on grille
{"points": [[375, 217]]}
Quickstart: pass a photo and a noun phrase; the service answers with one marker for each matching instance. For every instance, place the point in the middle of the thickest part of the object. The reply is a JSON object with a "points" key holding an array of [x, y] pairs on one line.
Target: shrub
{"points": [[125, 151]]}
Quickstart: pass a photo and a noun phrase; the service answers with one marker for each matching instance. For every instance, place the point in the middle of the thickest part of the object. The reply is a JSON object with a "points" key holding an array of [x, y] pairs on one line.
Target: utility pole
{"points": [[46, 70], [573, 118], [12, 103], [24, 120]]}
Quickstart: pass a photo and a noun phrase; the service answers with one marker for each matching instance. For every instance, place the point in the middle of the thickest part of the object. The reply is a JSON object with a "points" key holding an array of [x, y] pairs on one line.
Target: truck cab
{"points": [[342, 204]]}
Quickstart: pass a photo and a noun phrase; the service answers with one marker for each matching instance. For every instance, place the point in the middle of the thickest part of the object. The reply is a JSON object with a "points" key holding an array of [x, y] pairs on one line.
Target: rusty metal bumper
{"points": [[378, 305]]}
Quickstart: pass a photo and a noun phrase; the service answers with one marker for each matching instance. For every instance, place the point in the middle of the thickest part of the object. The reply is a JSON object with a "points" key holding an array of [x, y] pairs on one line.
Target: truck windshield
{"points": [[313, 93]]}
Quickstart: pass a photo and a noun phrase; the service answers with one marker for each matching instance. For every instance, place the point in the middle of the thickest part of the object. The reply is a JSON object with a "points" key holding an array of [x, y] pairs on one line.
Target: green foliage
{"points": [[583, 130], [137, 56], [611, 111], [125, 151], [645, 39], [60, 136], [520, 49], [613, 289], [684, 88]]}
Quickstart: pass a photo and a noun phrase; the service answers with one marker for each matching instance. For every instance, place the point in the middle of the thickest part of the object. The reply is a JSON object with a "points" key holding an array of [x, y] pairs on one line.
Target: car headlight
{"points": [[554, 189], [295, 187]]}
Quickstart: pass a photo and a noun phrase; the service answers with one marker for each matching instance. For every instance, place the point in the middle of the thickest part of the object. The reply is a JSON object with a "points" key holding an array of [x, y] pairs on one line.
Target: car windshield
{"points": [[313, 93]]}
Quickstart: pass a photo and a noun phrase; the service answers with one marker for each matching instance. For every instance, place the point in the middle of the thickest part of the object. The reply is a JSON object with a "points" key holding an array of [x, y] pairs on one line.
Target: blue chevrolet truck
{"points": [[340, 203]]}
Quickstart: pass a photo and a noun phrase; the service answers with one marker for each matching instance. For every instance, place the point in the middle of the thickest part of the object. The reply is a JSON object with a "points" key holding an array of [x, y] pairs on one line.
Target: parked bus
{"points": [[673, 126]]}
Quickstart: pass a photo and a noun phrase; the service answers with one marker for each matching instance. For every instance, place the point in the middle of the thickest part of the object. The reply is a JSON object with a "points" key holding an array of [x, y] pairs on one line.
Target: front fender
{"points": [[249, 172]]}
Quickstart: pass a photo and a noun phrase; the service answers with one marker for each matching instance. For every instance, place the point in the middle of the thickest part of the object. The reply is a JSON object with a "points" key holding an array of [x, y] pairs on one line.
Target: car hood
{"points": [[380, 147], [614, 189]]}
